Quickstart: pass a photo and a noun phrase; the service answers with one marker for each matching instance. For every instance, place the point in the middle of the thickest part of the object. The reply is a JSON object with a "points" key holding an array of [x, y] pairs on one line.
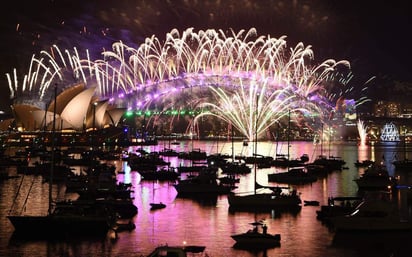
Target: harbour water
{"points": [[209, 222]]}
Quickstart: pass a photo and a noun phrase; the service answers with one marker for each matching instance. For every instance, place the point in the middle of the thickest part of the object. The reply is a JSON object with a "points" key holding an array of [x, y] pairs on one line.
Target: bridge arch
{"points": [[247, 80]]}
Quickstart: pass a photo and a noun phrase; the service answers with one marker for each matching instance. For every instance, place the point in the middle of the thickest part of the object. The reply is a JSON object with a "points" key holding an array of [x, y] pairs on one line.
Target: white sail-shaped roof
{"points": [[96, 114], [75, 111], [65, 97], [100, 111]]}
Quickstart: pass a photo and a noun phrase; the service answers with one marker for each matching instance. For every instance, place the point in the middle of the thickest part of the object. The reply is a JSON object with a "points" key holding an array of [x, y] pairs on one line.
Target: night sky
{"points": [[373, 35]]}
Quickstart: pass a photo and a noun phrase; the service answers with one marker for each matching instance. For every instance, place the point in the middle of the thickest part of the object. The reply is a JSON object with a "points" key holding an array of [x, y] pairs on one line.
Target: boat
{"points": [[256, 237], [311, 202], [297, 175], [177, 251], [404, 164], [61, 220], [162, 174], [143, 160], [229, 180], [376, 177], [317, 170], [168, 152], [236, 167], [270, 198], [331, 163], [209, 199], [206, 182], [123, 208], [364, 163], [124, 226], [194, 155], [338, 206], [372, 215], [64, 221], [284, 160], [157, 206]]}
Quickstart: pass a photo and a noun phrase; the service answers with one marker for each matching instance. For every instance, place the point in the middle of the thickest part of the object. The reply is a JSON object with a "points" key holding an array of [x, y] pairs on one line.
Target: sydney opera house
{"points": [[75, 110]]}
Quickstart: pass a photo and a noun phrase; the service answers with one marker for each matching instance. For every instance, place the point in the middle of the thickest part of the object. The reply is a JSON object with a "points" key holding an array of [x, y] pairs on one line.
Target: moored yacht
{"points": [[376, 177], [371, 215], [269, 197], [205, 182]]}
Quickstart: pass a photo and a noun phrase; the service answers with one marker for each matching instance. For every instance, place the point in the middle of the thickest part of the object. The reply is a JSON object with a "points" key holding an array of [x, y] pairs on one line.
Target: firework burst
{"points": [[363, 132], [225, 74]]}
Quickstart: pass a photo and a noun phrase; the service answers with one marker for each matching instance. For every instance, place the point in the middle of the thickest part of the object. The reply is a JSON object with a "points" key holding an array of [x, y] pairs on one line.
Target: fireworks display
{"points": [[247, 80]]}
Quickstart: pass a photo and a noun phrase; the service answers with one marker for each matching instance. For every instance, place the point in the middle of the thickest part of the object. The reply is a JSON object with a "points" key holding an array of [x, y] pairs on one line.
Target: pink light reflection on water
{"points": [[207, 222]]}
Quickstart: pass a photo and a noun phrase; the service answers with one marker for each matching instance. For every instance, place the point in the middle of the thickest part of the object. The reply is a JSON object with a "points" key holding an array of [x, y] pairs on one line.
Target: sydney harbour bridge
{"points": [[251, 83]]}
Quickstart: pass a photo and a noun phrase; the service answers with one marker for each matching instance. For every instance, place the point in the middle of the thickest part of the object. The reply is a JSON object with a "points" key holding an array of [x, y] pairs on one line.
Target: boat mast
{"points": [[321, 141], [404, 144], [330, 132], [52, 151], [255, 152], [288, 138], [233, 146]]}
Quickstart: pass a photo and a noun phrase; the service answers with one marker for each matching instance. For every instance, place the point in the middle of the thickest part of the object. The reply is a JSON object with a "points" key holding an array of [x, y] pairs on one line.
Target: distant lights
{"points": [[131, 113]]}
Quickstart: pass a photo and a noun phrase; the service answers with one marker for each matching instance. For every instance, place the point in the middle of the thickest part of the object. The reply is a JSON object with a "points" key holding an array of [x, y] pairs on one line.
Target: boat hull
{"points": [[253, 240], [256, 238], [347, 223], [372, 215], [202, 188], [54, 226], [264, 200]]}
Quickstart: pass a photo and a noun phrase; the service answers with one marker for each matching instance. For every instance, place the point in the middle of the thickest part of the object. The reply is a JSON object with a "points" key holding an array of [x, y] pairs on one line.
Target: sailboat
{"points": [[155, 205], [274, 198], [330, 163], [62, 220], [284, 161], [294, 175]]}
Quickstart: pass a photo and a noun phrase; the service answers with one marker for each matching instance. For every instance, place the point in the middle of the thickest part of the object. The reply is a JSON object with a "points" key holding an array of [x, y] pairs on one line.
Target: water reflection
{"points": [[374, 244], [270, 212], [209, 221]]}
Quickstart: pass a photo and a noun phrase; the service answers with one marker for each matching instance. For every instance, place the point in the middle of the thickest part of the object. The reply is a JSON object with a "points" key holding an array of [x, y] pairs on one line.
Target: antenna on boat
{"points": [[52, 150]]}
